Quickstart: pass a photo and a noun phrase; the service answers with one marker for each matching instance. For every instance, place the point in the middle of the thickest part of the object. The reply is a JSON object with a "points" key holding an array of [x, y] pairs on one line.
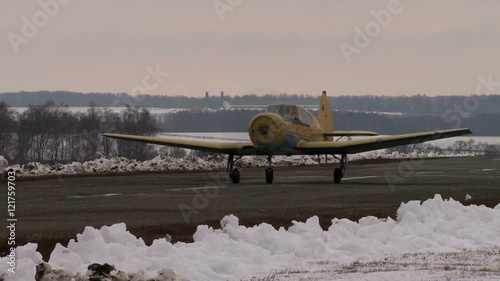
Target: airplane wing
{"points": [[201, 137], [350, 133], [357, 146], [236, 148]]}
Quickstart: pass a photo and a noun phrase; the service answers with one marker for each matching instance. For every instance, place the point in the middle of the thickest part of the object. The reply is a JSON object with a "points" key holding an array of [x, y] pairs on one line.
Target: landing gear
{"points": [[269, 175], [234, 173], [338, 173], [269, 171]]}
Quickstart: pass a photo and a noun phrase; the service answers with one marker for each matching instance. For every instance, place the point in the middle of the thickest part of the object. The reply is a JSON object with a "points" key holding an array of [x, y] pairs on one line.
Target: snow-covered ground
{"points": [[432, 240], [3, 162], [211, 162], [83, 109], [478, 264]]}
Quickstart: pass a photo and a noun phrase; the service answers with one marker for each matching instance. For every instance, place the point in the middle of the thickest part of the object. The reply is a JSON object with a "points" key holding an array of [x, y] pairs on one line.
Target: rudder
{"points": [[325, 115]]}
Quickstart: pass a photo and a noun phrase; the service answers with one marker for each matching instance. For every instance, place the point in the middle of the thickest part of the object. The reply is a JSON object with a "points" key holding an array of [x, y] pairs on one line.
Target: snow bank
{"points": [[190, 163], [26, 260], [3, 162], [235, 251]]}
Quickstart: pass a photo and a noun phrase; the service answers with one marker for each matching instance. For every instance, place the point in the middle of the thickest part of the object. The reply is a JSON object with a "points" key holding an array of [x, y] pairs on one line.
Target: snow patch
{"points": [[190, 163], [95, 195], [360, 178], [3, 163], [235, 251], [26, 260]]}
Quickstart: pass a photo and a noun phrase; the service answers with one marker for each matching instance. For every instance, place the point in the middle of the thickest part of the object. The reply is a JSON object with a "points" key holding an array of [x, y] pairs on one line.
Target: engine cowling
{"points": [[267, 131]]}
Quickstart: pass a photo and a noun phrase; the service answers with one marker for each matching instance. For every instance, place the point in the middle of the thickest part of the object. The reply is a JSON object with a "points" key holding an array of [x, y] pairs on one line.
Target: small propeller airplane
{"points": [[286, 129]]}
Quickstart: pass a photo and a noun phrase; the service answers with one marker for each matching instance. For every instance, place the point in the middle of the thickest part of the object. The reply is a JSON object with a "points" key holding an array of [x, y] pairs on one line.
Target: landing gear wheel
{"points": [[269, 175], [337, 175], [234, 175]]}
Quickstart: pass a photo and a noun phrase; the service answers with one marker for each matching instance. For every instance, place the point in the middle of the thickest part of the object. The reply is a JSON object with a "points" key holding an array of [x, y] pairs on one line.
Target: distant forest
{"points": [[405, 104], [51, 133], [481, 124]]}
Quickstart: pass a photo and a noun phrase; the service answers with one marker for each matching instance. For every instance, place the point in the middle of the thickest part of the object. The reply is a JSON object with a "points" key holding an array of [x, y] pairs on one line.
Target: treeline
{"points": [[208, 121], [405, 104], [48, 133], [483, 124]]}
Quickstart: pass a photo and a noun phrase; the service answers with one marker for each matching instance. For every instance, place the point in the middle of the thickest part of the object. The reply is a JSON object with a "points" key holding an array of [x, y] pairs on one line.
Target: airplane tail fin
{"points": [[325, 115]]}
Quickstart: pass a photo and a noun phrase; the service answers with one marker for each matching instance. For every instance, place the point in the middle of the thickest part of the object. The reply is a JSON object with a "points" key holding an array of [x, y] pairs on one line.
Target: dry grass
{"points": [[483, 263]]}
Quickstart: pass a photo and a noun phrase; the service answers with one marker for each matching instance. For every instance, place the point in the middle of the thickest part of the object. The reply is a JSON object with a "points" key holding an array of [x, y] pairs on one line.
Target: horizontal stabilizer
{"points": [[350, 133]]}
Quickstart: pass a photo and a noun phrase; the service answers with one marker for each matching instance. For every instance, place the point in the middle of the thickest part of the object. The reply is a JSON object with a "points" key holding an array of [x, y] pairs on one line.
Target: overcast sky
{"points": [[274, 46]]}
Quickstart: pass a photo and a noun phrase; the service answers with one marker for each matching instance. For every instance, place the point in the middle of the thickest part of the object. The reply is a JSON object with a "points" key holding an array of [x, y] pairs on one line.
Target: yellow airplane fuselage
{"points": [[270, 132]]}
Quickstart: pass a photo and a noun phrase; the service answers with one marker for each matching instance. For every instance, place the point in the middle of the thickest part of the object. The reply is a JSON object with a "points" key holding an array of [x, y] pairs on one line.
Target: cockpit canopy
{"points": [[294, 114]]}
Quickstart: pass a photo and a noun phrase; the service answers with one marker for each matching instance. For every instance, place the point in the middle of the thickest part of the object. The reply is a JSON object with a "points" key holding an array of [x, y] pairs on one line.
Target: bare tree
{"points": [[51, 133], [136, 121], [8, 126]]}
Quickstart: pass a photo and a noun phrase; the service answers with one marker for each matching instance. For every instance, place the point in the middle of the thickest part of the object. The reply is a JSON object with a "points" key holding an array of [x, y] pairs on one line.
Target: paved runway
{"points": [[54, 210]]}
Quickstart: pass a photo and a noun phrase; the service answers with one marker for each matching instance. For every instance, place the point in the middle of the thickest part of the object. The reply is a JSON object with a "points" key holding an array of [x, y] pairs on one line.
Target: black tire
{"points": [[235, 175], [269, 175], [337, 175]]}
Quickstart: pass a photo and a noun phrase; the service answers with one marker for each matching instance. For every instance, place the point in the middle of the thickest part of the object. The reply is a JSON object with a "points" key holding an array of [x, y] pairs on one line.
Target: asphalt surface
{"points": [[153, 204]]}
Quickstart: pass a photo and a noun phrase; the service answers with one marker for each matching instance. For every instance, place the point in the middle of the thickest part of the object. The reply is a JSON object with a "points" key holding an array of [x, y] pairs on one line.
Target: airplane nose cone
{"points": [[266, 129]]}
